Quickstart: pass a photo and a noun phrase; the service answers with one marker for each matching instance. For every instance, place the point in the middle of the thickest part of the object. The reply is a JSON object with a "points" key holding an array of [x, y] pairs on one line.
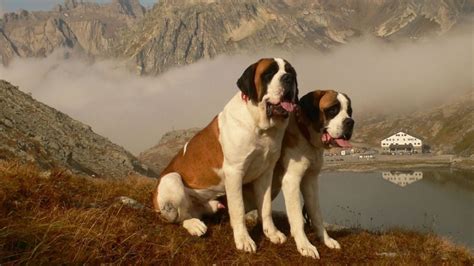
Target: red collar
{"points": [[244, 97]]}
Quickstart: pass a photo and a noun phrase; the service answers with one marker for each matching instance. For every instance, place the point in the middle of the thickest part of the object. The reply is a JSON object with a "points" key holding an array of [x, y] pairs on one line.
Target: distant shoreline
{"points": [[396, 162]]}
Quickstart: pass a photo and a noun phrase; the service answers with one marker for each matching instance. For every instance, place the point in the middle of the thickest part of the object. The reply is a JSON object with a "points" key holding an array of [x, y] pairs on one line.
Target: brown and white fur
{"points": [[240, 146], [324, 120]]}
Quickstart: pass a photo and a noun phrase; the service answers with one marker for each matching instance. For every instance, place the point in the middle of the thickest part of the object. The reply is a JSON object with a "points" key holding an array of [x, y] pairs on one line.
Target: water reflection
{"points": [[429, 200], [402, 178]]}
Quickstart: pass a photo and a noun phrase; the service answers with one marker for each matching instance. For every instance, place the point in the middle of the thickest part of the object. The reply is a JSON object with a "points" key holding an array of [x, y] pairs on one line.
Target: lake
{"points": [[439, 201]]}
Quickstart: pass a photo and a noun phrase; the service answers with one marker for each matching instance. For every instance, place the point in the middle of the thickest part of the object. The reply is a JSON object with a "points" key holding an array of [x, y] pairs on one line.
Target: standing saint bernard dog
{"points": [[240, 146], [324, 120]]}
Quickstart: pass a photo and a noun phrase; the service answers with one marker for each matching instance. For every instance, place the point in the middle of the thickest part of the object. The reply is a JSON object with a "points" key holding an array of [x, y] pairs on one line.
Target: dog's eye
{"points": [[332, 111], [268, 76]]}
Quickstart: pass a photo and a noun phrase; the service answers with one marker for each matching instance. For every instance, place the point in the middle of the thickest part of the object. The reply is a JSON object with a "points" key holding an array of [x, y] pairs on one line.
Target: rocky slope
{"points": [[158, 156], [179, 32], [34, 132], [87, 27], [447, 128]]}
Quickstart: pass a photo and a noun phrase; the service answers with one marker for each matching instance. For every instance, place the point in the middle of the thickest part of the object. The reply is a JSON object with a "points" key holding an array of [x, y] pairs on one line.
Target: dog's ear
{"points": [[310, 106], [289, 69], [297, 90], [246, 82]]}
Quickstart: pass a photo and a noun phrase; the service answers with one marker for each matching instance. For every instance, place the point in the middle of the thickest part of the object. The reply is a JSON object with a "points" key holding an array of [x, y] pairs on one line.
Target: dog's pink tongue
{"points": [[288, 106], [326, 138], [343, 143]]}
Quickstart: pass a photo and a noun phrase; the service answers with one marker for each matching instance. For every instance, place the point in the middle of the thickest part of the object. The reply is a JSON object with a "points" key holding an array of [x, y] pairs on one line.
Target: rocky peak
{"points": [[70, 4], [131, 7]]}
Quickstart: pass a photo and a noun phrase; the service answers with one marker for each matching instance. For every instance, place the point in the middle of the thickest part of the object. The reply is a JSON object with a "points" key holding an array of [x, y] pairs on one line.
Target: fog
{"points": [[135, 111]]}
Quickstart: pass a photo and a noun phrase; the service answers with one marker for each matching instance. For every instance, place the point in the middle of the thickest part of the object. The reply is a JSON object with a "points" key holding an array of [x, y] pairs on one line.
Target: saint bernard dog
{"points": [[324, 120], [241, 145]]}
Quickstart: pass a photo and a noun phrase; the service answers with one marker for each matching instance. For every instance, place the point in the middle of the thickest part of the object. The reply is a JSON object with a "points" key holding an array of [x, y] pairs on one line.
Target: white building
{"points": [[401, 142], [347, 152], [402, 178]]}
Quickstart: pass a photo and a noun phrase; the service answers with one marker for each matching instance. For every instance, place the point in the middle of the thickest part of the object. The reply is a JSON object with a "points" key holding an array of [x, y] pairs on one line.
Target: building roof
{"points": [[404, 132]]}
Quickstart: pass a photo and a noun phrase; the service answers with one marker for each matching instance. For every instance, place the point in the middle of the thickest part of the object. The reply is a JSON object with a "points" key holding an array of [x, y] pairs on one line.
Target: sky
{"points": [[135, 111], [14, 5]]}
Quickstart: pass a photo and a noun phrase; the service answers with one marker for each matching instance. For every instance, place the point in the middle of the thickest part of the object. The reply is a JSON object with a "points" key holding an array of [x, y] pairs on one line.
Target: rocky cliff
{"points": [[86, 27], [34, 132], [179, 32], [158, 156]]}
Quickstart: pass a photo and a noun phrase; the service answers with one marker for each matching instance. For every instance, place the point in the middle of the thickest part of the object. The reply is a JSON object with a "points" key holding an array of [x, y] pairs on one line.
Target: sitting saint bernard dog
{"points": [[240, 146], [324, 120]]}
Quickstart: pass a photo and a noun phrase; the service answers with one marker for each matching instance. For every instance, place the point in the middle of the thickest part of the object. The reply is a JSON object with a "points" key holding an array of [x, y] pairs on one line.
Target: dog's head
{"points": [[330, 114], [272, 82]]}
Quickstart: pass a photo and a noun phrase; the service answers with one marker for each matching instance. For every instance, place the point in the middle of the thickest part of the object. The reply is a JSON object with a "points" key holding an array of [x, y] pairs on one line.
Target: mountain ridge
{"points": [[175, 33]]}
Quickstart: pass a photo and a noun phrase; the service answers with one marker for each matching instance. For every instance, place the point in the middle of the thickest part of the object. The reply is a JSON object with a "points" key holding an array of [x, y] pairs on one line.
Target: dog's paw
{"points": [[307, 249], [275, 236], [331, 243], [195, 227], [245, 243]]}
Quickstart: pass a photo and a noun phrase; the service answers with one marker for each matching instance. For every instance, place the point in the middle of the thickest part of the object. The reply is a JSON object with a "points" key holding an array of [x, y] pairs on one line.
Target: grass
{"points": [[58, 218]]}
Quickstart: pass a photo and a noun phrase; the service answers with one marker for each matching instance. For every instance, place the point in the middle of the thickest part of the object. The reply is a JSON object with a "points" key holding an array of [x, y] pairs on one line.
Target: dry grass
{"points": [[60, 218]]}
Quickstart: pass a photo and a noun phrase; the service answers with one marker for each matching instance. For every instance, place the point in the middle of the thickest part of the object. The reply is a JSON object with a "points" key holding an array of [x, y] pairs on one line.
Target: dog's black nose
{"points": [[349, 123]]}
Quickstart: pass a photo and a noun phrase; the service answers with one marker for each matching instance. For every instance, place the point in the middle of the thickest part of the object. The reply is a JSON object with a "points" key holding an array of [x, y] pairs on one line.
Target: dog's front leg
{"points": [[235, 202], [263, 195], [291, 192], [310, 187]]}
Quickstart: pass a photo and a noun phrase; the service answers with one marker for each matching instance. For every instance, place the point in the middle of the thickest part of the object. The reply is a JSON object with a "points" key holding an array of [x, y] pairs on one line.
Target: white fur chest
{"points": [[266, 152], [244, 145]]}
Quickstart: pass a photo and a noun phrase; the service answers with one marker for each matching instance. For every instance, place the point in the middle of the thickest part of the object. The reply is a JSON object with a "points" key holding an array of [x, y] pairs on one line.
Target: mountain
{"points": [[179, 32], [86, 27], [447, 128], [158, 156], [33, 132]]}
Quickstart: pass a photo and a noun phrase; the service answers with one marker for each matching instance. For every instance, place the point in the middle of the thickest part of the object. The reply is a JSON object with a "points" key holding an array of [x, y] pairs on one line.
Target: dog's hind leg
{"points": [[172, 201], [170, 197]]}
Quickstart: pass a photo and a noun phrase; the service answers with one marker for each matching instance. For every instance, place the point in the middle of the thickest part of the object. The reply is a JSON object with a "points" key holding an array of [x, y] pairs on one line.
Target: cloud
{"points": [[135, 111]]}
